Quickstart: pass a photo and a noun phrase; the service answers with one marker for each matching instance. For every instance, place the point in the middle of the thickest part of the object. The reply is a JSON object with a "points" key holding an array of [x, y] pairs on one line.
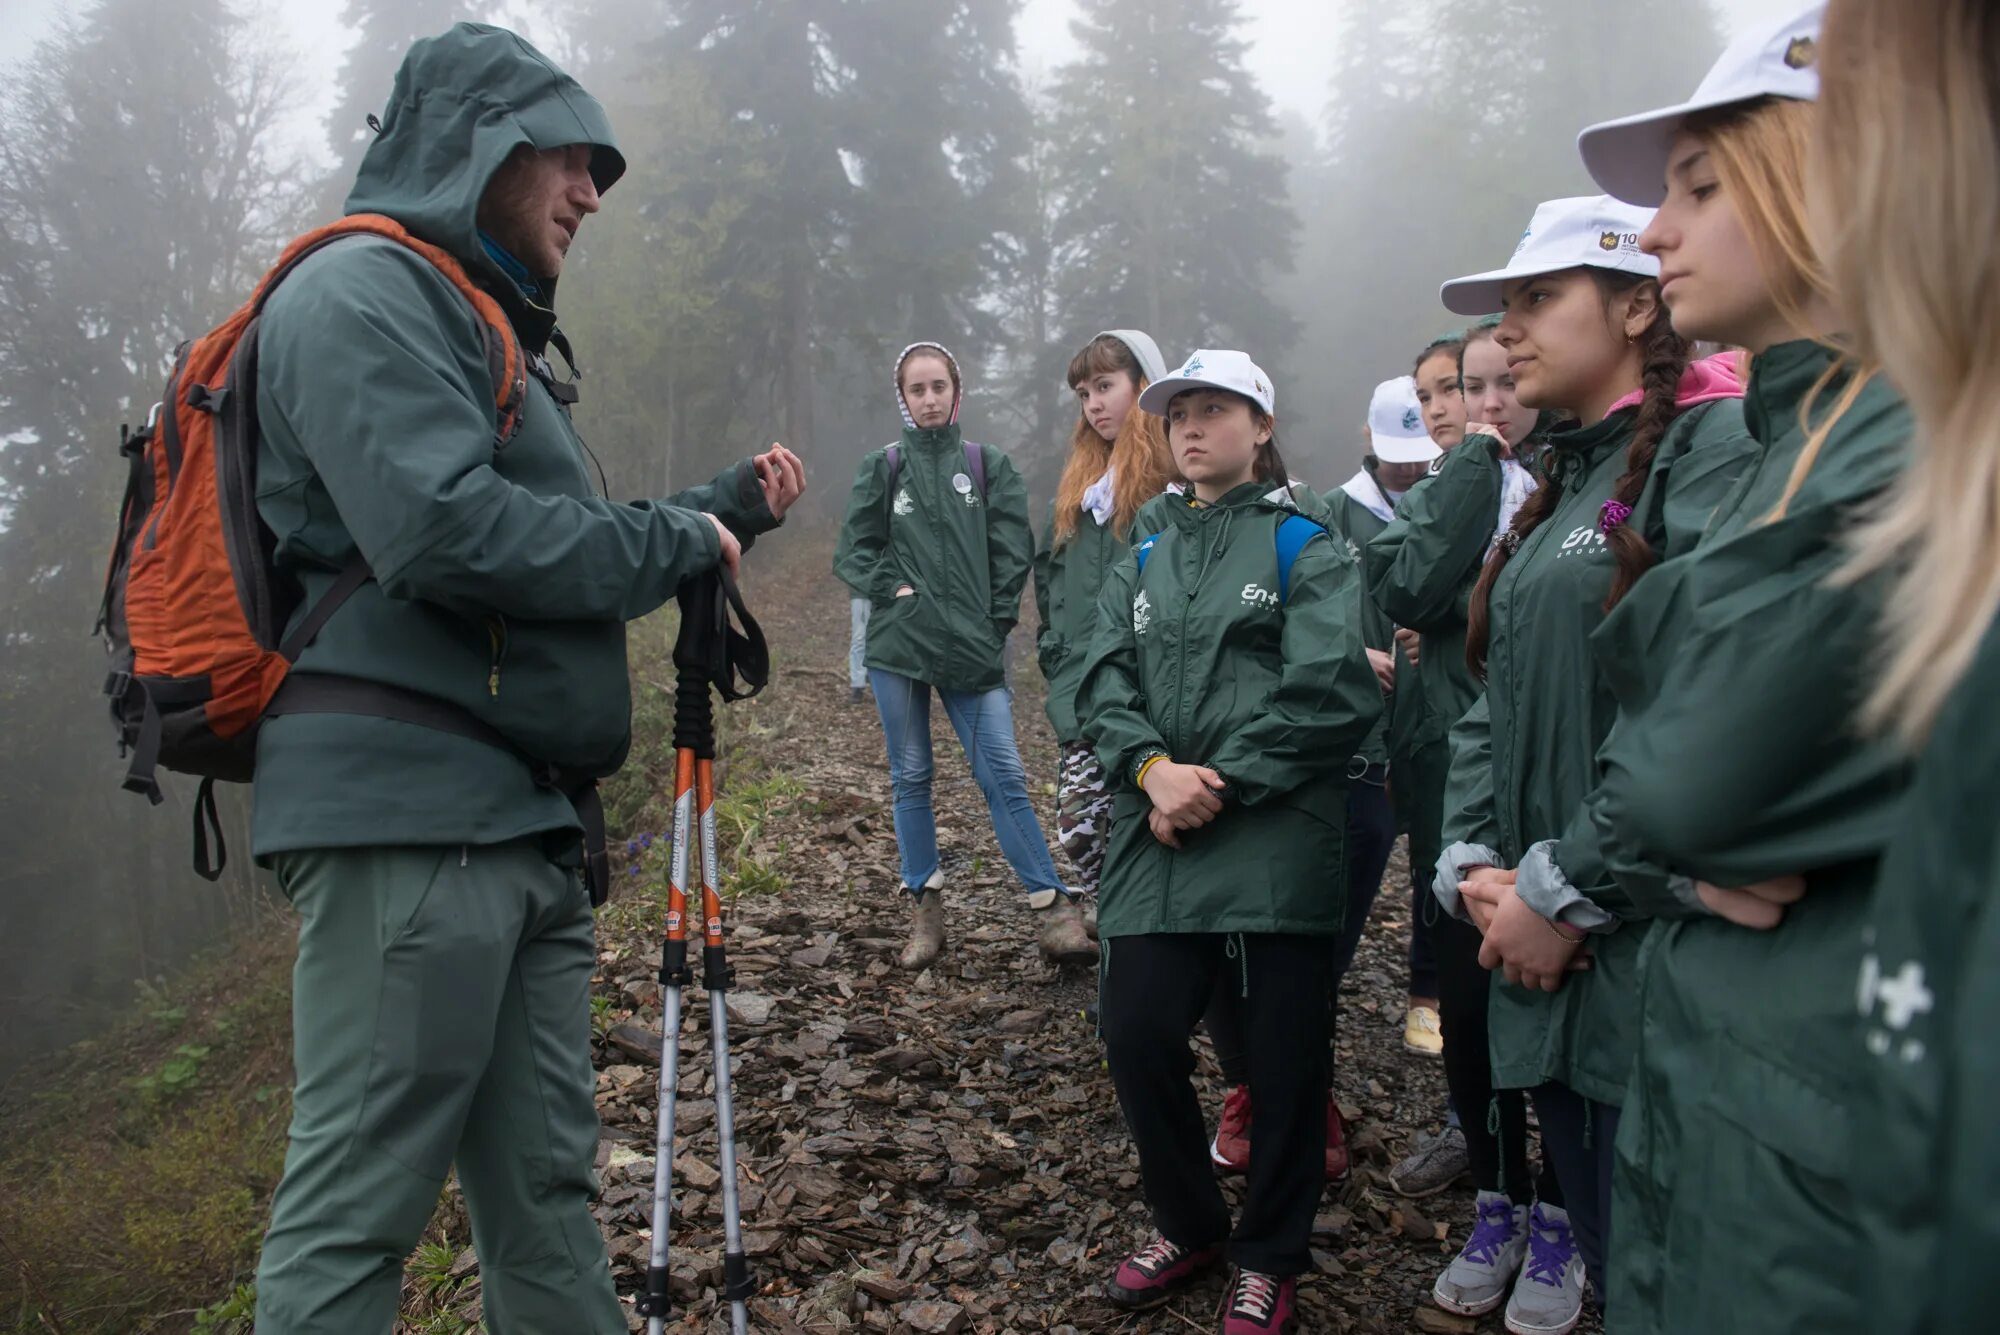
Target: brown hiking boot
{"points": [[926, 928], [1065, 940]]}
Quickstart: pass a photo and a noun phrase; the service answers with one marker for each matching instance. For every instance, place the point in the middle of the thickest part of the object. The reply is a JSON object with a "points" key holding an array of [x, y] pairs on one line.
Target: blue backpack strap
{"points": [[1293, 535], [1144, 550], [894, 454], [975, 464]]}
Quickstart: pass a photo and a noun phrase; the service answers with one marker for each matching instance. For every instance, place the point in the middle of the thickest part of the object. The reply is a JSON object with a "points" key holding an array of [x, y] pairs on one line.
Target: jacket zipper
{"points": [[496, 638]]}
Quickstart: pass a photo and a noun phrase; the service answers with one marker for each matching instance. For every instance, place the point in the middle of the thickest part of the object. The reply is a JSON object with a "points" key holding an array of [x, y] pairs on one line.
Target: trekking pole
{"points": [[709, 653]]}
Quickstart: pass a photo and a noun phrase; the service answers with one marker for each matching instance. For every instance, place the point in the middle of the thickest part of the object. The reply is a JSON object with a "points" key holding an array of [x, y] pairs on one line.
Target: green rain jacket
{"points": [[1067, 582], [1525, 756], [1736, 759], [965, 556], [1930, 987], [1358, 512], [1421, 569], [1196, 659], [502, 580]]}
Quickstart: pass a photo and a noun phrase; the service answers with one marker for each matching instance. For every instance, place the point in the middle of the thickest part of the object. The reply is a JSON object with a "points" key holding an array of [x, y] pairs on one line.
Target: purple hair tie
{"points": [[1612, 515]]}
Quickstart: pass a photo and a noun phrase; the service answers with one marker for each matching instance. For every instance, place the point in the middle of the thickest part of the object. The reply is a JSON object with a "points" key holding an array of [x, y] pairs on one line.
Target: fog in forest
{"points": [[812, 185]]}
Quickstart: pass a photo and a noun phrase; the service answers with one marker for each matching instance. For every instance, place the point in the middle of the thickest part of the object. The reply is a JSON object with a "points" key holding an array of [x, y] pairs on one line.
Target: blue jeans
{"points": [[857, 642], [984, 722]]}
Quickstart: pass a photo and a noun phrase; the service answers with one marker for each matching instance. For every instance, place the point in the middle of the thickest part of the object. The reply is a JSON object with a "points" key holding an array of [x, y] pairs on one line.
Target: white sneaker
{"points": [[1548, 1299], [1477, 1279]]}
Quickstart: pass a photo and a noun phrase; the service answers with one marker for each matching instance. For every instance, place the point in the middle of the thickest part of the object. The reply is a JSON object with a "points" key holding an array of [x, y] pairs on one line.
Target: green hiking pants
{"points": [[440, 1016]]}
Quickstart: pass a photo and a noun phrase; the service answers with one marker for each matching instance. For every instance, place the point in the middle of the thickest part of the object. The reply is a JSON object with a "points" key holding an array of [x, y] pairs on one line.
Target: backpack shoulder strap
{"points": [[1293, 534], [1144, 550], [975, 464], [504, 357]]}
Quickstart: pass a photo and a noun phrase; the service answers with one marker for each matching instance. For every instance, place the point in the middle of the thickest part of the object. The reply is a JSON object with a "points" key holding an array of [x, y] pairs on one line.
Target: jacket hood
{"points": [[1367, 491], [957, 399], [461, 103], [1144, 351], [1705, 381]]}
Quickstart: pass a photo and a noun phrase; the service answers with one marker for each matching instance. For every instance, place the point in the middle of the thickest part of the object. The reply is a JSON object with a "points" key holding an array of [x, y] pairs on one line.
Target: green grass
{"points": [[133, 1183]]}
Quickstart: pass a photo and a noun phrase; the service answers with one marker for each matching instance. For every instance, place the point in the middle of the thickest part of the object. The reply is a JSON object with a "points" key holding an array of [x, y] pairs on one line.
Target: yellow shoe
{"points": [[1421, 1034]]}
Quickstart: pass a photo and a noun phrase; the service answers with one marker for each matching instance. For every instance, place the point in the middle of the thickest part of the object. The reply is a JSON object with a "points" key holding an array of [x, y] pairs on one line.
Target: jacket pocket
{"points": [[1761, 1206], [1780, 1109]]}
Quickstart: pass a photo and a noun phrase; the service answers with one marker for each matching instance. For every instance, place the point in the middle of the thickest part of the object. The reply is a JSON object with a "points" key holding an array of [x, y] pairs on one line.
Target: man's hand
{"points": [[1162, 828], [1385, 669], [782, 476], [732, 550], [1409, 642], [1184, 794], [1759, 907], [1520, 942]]}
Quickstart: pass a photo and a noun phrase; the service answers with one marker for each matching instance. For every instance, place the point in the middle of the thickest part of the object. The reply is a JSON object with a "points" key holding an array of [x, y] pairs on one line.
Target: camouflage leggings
{"points": [[1083, 814]]}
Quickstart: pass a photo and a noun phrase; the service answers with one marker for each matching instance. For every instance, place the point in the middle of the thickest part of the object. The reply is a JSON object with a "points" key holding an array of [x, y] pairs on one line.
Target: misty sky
{"points": [[1291, 42]]}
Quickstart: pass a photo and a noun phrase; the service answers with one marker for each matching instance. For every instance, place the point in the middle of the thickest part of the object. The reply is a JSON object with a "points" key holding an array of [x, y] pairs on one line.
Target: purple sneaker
{"points": [[1260, 1304], [1149, 1276]]}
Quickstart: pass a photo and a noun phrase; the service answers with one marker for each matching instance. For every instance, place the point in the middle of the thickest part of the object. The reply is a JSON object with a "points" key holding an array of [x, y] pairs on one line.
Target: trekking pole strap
{"points": [[731, 656]]}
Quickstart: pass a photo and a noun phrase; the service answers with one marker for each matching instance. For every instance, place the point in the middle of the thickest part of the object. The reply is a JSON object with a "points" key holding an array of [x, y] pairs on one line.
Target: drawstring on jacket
{"points": [[1233, 946], [1493, 1130]]}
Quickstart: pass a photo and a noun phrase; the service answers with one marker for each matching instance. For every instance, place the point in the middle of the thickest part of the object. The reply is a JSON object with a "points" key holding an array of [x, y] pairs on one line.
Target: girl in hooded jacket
{"points": [[1735, 764], [1908, 145], [1421, 570], [1226, 691], [1118, 460], [1352, 515], [937, 533], [1588, 337]]}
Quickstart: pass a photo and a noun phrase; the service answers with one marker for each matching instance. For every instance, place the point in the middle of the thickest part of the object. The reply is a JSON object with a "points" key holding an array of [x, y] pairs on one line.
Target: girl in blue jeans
{"points": [[937, 535]]}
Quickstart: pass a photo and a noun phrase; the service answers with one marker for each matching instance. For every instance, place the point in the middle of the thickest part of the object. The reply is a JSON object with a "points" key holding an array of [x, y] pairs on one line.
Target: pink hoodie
{"points": [[1704, 381]]}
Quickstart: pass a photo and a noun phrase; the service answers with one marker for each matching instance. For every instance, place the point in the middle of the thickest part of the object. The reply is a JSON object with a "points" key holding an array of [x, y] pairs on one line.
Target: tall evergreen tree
{"points": [[1175, 218], [135, 211], [866, 149], [1448, 121]]}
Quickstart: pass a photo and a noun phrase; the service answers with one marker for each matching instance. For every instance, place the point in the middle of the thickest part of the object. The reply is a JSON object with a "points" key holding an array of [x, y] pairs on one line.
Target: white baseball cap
{"points": [[1212, 368], [1396, 431], [1628, 157], [1593, 230]]}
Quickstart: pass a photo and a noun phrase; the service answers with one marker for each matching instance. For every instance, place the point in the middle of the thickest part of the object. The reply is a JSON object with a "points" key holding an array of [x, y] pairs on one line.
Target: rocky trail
{"points": [[940, 1153]]}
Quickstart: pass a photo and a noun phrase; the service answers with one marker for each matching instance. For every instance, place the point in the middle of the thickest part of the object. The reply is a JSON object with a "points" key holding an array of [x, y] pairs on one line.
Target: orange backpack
{"points": [[195, 609]]}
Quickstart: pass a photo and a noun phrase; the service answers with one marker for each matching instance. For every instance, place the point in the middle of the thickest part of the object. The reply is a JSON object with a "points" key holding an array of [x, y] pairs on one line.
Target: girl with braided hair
{"points": [[1585, 334]]}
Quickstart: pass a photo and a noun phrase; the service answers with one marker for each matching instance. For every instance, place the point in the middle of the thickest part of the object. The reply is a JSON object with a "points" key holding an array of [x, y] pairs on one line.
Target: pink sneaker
{"points": [[1230, 1150], [1260, 1305], [1149, 1276]]}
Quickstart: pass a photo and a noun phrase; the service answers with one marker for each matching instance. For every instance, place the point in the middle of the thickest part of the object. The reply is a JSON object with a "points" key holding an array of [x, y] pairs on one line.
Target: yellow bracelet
{"points": [[1149, 762]]}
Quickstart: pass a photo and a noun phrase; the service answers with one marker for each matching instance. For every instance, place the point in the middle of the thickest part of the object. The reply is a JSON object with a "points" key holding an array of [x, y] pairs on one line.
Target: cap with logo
{"points": [[1396, 431], [1628, 157], [1212, 368], [1592, 230]]}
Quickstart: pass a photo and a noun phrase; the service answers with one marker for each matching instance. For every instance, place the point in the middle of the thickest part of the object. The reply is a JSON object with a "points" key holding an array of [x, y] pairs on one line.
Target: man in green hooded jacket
{"points": [[441, 994]]}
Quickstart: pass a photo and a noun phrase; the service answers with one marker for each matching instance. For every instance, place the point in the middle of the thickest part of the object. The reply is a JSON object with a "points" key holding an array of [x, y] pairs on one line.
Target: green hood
{"points": [[462, 102]]}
